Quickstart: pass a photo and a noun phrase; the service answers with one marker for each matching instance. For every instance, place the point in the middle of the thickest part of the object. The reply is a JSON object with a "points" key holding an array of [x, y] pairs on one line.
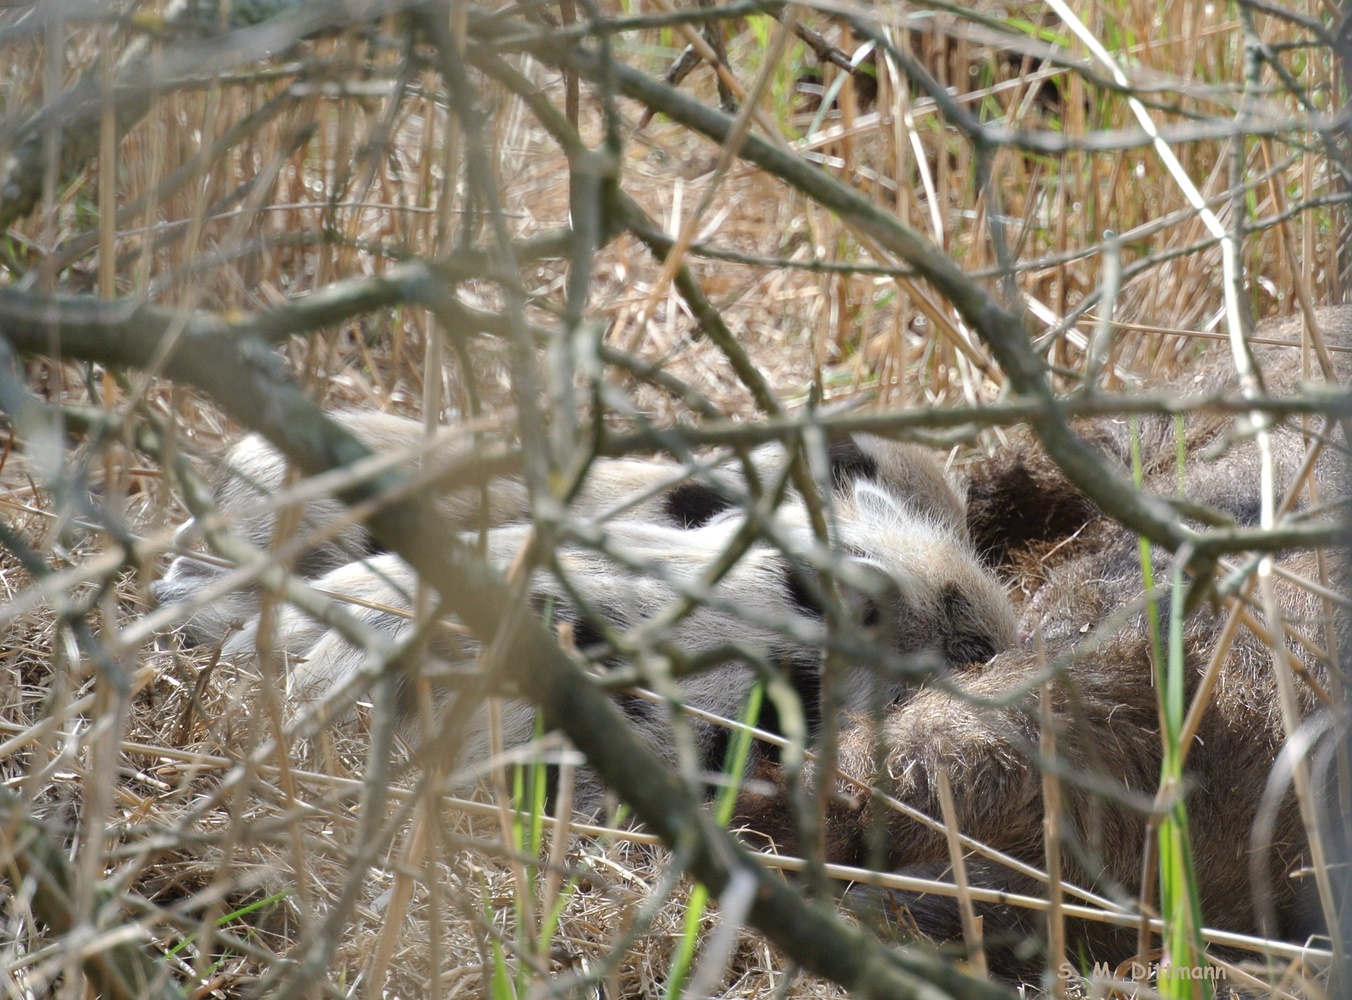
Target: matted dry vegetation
{"points": [[335, 182]]}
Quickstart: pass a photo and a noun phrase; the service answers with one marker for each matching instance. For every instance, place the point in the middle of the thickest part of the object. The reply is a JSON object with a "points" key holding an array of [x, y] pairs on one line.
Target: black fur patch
{"points": [[801, 594], [849, 463], [371, 546], [586, 635], [636, 708], [714, 748], [870, 615], [804, 672], [693, 504], [967, 640]]}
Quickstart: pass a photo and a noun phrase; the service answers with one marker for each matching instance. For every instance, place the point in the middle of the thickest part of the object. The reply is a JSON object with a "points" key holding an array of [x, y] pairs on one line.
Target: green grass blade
{"points": [[734, 766]]}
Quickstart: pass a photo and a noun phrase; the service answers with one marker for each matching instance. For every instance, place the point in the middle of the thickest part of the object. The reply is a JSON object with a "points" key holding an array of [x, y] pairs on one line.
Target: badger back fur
{"points": [[1079, 576]]}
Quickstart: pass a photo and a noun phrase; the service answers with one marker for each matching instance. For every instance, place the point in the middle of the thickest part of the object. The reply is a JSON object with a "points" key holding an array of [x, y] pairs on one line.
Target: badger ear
{"points": [[184, 532], [875, 504]]}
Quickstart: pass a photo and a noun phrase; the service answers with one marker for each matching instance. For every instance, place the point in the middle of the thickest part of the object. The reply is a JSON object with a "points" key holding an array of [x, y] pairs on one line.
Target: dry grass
{"points": [[171, 779]]}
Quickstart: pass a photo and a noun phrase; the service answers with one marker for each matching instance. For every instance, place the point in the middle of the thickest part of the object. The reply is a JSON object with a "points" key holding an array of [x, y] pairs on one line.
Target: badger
{"points": [[1079, 575], [253, 475], [910, 593]]}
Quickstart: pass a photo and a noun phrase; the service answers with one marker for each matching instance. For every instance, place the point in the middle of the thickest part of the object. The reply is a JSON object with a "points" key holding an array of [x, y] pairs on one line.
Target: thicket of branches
{"points": [[583, 230]]}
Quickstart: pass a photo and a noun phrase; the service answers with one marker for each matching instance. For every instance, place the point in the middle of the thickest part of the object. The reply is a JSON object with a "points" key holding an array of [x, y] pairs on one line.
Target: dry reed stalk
{"points": [[1053, 819], [971, 925]]}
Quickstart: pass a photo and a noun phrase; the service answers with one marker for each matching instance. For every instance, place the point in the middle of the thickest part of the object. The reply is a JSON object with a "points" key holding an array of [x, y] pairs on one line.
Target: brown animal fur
{"points": [[1080, 578]]}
